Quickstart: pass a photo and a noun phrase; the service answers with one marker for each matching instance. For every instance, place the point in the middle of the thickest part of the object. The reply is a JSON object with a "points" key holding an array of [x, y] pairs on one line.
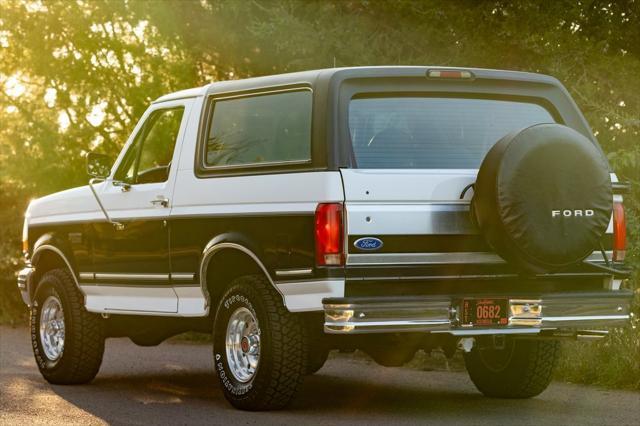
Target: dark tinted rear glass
{"points": [[433, 133]]}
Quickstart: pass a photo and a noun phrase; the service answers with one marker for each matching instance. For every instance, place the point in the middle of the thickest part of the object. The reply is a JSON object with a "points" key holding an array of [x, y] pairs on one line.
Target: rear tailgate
{"points": [[417, 214]]}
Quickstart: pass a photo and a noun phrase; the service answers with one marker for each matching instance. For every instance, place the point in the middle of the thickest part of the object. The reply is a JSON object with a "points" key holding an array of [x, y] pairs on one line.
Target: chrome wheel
{"points": [[52, 328], [243, 344]]}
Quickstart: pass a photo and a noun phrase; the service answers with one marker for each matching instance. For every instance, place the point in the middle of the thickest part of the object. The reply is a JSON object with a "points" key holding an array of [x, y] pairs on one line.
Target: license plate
{"points": [[485, 312]]}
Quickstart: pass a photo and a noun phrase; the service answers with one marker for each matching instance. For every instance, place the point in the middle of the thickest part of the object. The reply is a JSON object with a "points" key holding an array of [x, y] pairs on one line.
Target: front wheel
{"points": [[505, 367], [68, 341], [259, 347]]}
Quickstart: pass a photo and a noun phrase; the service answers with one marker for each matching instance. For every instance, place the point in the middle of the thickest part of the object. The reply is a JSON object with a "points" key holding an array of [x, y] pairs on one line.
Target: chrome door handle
{"points": [[160, 201]]}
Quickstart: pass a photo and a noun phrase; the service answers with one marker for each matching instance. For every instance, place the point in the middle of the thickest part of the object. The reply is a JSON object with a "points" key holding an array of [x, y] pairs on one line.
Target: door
{"points": [[131, 262]]}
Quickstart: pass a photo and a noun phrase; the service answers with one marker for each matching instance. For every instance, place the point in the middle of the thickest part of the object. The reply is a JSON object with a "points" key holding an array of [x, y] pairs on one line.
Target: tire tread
{"points": [[288, 350], [528, 374], [84, 345]]}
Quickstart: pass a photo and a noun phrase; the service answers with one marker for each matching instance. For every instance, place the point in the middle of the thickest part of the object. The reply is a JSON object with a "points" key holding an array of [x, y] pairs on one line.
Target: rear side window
{"points": [[260, 129], [433, 133]]}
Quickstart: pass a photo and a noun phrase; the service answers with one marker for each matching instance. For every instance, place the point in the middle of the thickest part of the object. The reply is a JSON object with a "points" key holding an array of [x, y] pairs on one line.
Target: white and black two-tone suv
{"points": [[388, 209]]}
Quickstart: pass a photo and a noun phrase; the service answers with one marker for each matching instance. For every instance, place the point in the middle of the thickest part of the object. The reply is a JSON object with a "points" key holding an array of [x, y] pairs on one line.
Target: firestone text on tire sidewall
{"points": [[223, 360]]}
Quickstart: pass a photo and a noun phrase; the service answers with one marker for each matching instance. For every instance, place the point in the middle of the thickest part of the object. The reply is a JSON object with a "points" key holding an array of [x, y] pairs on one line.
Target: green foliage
{"points": [[613, 362], [76, 75]]}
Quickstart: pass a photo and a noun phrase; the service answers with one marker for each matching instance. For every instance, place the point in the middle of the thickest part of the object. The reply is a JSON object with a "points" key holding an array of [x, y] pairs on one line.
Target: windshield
{"points": [[433, 133]]}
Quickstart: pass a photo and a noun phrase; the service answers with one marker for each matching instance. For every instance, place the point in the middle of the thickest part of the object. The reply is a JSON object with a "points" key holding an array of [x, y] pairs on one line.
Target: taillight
{"points": [[329, 234], [619, 232]]}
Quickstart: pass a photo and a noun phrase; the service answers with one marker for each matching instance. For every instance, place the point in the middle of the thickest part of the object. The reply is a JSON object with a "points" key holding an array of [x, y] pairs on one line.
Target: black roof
{"points": [[335, 75]]}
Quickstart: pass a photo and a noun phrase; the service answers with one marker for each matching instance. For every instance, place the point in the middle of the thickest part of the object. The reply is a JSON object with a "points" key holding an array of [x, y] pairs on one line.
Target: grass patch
{"points": [[613, 362]]}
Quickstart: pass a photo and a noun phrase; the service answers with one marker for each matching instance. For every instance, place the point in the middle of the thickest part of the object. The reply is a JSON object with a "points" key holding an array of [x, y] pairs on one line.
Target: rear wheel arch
{"points": [[223, 262]]}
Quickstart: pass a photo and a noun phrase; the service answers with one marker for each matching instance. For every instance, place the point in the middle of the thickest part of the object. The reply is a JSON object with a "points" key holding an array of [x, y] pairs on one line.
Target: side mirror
{"points": [[98, 165]]}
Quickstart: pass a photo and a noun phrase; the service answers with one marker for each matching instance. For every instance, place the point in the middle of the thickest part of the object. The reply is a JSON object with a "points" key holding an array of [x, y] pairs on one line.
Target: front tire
{"points": [[516, 368], [67, 341], [259, 347]]}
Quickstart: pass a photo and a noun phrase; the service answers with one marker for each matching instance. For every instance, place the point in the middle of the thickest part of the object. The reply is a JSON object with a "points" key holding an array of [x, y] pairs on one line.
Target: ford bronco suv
{"points": [[386, 209]]}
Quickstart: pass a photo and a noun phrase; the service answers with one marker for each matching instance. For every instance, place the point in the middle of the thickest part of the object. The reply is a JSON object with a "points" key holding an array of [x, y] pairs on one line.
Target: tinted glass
{"points": [[149, 158], [434, 133], [260, 129]]}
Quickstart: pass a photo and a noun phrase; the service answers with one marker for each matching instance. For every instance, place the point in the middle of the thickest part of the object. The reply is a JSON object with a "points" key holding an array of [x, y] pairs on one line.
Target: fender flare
{"points": [[230, 241], [47, 243]]}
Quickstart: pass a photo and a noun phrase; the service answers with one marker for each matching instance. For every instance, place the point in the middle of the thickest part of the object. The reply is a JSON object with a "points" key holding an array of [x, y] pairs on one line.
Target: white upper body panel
{"points": [[76, 204]]}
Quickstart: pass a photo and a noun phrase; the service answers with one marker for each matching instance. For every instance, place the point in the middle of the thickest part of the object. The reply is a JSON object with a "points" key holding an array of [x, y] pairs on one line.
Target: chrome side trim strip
{"points": [[91, 276], [131, 277], [293, 272], [434, 277], [179, 276], [422, 258], [439, 258]]}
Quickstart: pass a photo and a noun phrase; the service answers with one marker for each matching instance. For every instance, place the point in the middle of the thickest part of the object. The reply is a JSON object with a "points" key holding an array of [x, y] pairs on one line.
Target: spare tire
{"points": [[543, 199]]}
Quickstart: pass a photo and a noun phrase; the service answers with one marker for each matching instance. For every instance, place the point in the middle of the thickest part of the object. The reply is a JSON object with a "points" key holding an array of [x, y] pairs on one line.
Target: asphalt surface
{"points": [[173, 384]]}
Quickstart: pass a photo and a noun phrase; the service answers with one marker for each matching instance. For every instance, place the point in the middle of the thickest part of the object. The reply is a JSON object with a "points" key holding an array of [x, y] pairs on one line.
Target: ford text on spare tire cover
{"points": [[567, 213], [543, 197]]}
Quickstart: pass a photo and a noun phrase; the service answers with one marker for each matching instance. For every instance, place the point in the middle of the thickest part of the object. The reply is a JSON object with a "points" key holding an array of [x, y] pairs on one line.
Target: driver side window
{"points": [[148, 160]]}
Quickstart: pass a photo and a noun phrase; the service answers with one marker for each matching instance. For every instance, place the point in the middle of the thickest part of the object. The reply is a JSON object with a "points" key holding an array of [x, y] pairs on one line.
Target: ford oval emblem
{"points": [[368, 243]]}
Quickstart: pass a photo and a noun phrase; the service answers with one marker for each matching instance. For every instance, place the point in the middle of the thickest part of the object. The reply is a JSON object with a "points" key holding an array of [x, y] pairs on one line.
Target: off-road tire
{"points": [[84, 332], [283, 351], [526, 371]]}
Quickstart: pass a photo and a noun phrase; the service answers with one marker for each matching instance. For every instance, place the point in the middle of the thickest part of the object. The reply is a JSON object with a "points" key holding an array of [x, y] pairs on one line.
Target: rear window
{"points": [[433, 133], [260, 129]]}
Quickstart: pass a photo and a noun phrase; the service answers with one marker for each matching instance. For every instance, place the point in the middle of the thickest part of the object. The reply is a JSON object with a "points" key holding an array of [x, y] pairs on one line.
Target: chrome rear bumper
{"points": [[441, 314]]}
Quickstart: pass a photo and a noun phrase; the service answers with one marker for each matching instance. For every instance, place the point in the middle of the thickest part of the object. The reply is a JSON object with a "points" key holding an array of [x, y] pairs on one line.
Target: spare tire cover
{"points": [[543, 197]]}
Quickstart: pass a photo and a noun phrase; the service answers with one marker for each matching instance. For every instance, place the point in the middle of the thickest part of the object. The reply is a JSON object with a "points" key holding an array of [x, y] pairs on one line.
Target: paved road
{"points": [[173, 384]]}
